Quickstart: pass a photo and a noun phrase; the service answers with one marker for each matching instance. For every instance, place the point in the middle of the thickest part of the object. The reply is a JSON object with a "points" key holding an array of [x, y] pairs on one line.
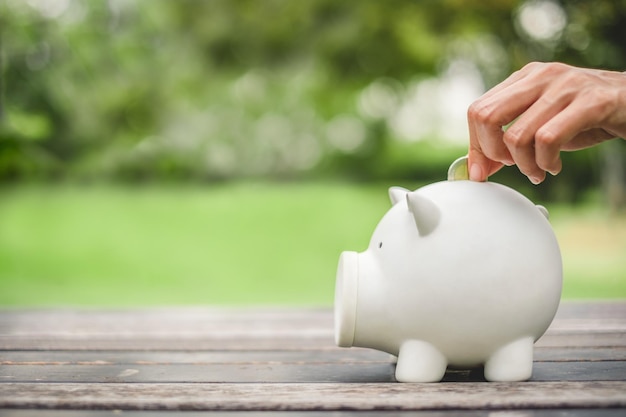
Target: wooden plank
{"points": [[183, 329], [585, 340], [188, 353], [165, 329], [334, 413], [266, 341], [600, 310], [166, 321], [580, 354], [245, 323], [233, 373], [306, 396], [310, 356], [585, 325], [363, 372], [173, 343]]}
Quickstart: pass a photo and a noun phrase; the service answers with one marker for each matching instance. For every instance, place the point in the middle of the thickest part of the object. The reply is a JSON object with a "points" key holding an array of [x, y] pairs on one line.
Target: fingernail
{"points": [[534, 180], [508, 162], [554, 173], [476, 173]]}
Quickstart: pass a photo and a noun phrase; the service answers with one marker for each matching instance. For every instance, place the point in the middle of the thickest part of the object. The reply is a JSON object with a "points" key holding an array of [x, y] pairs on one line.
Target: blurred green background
{"points": [[225, 152]]}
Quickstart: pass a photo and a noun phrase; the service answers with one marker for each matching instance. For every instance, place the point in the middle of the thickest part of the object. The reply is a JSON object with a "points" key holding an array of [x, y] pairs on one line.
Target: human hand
{"points": [[550, 107]]}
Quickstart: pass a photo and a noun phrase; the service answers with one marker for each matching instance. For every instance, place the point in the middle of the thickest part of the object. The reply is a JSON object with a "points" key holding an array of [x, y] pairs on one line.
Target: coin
{"points": [[458, 170]]}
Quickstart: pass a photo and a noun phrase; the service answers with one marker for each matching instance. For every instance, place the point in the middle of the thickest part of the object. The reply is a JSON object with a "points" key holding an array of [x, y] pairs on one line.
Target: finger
{"points": [[496, 108], [575, 127], [488, 115], [520, 137], [522, 150], [551, 138], [481, 167], [554, 135], [524, 142], [524, 157], [485, 128], [477, 162], [490, 137]]}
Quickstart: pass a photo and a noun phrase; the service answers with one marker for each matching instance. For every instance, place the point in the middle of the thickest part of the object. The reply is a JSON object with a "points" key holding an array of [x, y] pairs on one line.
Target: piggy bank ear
{"points": [[425, 212], [544, 211], [397, 194]]}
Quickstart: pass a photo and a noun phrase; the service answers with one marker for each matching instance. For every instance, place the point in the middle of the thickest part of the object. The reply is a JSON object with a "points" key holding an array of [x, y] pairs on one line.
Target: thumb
{"points": [[479, 166]]}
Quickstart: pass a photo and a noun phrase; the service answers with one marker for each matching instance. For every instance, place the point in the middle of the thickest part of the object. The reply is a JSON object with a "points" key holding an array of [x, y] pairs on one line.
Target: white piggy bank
{"points": [[458, 273]]}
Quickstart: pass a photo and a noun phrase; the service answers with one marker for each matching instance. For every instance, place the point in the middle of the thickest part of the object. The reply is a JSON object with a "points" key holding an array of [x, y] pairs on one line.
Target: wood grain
{"points": [[361, 372], [311, 397], [265, 360], [586, 412]]}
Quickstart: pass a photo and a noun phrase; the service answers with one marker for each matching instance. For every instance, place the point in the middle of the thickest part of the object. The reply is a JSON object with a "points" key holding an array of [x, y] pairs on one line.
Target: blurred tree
{"points": [[2, 26], [222, 89]]}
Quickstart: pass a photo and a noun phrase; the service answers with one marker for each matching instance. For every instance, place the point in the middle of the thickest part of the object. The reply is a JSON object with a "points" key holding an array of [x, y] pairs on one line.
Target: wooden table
{"points": [[282, 361]]}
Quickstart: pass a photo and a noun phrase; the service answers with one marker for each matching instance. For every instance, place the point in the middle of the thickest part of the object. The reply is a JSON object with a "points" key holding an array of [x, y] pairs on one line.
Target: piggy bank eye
{"points": [[380, 244]]}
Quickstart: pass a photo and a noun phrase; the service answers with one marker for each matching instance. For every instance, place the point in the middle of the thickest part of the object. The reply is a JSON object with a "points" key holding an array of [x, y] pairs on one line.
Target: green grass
{"points": [[245, 243], [593, 246]]}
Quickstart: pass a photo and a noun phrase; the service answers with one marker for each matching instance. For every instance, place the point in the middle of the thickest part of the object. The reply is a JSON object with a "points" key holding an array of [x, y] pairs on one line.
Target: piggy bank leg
{"points": [[420, 361], [512, 362]]}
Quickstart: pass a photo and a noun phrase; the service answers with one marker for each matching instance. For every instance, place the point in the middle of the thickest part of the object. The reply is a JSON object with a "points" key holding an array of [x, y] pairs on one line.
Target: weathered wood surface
{"points": [[266, 360]]}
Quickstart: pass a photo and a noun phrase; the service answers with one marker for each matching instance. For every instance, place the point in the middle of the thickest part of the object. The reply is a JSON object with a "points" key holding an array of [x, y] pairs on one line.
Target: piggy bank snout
{"points": [[346, 298]]}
